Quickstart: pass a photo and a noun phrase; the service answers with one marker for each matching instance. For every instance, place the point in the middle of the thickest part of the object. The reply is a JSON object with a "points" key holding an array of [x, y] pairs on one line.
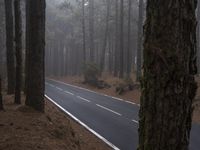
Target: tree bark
{"points": [[103, 52], [18, 46], [36, 40], [139, 40], [121, 64], [116, 67], [168, 85], [198, 37], [1, 99], [10, 47], [91, 29], [128, 69]]}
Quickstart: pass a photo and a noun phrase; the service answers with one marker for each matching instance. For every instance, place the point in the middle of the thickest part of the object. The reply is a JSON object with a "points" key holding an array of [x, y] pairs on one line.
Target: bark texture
{"points": [[1, 99], [168, 85], [139, 40], [18, 47], [10, 47], [36, 40]]}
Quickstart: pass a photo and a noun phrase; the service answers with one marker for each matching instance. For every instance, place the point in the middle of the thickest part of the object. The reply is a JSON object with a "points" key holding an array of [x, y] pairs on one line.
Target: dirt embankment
{"points": [[132, 96], [22, 128]]}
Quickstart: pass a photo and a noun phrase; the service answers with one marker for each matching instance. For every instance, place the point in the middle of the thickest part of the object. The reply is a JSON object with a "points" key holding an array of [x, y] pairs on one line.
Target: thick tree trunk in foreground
{"points": [[1, 99], [18, 45], [139, 40], [10, 47], [198, 37], [168, 85], [35, 82]]}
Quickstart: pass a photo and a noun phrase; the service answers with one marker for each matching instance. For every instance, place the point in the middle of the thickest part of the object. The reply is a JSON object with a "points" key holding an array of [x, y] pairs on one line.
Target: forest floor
{"points": [[132, 96], [22, 128]]}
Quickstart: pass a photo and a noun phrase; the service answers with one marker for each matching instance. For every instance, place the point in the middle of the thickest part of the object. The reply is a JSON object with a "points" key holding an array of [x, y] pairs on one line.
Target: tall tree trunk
{"points": [[116, 67], [83, 30], [35, 82], [18, 45], [139, 40], [128, 69], [27, 45], [198, 37], [1, 99], [168, 85], [121, 65], [91, 29], [9, 46], [102, 61]]}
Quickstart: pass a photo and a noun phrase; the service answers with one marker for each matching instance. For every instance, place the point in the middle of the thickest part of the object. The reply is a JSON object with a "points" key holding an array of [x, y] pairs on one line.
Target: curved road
{"points": [[109, 117]]}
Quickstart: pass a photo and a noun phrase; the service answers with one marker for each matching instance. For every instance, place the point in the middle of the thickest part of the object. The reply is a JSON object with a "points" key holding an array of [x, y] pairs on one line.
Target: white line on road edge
{"points": [[69, 92], [84, 125], [83, 99], [109, 110], [135, 121], [116, 98]]}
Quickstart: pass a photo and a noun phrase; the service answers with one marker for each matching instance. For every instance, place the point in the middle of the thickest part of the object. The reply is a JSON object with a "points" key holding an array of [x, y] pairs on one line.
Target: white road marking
{"points": [[69, 92], [116, 98], [59, 88], [109, 110], [84, 125], [135, 121], [83, 99]]}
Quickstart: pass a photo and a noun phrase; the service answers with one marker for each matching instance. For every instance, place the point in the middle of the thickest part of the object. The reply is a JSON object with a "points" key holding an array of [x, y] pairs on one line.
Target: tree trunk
{"points": [[83, 30], [18, 45], [91, 29], [35, 82], [121, 64], [103, 52], [198, 37], [139, 40], [10, 47], [1, 99], [128, 69], [168, 85], [116, 67]]}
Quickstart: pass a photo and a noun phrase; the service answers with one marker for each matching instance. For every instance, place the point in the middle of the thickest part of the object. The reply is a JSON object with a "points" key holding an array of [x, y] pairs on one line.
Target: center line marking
{"points": [[59, 88], [69, 92], [109, 110], [83, 99], [135, 121]]}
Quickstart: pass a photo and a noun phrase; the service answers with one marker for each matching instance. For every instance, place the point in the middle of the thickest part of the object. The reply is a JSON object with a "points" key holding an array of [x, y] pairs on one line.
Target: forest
{"points": [[99, 75]]}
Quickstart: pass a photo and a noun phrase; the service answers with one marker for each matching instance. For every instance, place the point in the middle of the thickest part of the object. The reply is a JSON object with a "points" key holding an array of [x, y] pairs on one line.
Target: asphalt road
{"points": [[112, 118]]}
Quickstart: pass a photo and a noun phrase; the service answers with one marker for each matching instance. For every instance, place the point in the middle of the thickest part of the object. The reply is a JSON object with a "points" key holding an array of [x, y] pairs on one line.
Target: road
{"points": [[110, 118]]}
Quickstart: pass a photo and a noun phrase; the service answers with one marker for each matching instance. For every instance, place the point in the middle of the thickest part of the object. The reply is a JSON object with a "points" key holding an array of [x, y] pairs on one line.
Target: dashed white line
{"points": [[59, 88], [69, 92], [83, 99], [135, 121], [109, 110]]}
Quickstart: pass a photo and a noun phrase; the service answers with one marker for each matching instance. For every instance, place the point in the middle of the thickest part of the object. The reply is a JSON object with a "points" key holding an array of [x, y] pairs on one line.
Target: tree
{"points": [[36, 40], [116, 65], [83, 30], [139, 40], [1, 99], [128, 69], [9, 46], [121, 65], [168, 84], [18, 45], [102, 61], [91, 29], [198, 37]]}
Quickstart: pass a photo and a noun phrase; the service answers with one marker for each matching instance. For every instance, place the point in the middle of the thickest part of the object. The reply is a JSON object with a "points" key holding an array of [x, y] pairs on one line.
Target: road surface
{"points": [[115, 121]]}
